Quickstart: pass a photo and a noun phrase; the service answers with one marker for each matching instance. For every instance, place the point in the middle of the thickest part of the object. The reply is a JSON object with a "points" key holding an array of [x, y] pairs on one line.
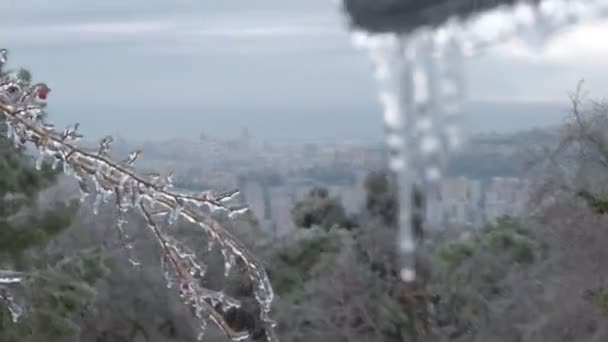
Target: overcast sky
{"points": [[176, 67]]}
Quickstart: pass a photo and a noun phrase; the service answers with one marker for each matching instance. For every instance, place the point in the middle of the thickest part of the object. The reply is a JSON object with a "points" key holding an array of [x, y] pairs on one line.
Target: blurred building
{"points": [[505, 196], [457, 201]]}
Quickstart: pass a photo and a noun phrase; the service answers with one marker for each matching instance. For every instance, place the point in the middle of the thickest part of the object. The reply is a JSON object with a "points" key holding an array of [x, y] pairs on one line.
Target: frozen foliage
{"points": [[420, 76], [117, 183]]}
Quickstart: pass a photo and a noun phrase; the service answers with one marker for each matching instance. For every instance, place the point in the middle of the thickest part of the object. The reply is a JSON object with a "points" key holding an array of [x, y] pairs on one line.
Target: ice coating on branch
{"points": [[10, 277], [14, 309], [421, 85], [116, 183]]}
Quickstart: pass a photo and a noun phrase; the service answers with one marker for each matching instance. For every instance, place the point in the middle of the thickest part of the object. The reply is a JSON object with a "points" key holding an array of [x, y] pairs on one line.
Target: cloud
{"points": [[191, 29], [79, 32], [582, 44], [269, 32]]}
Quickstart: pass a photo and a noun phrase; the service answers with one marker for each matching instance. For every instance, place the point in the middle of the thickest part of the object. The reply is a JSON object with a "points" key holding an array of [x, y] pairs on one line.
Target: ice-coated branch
{"points": [[8, 277], [23, 108]]}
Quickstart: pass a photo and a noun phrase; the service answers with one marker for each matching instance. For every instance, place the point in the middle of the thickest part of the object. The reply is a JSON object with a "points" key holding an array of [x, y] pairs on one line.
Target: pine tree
{"points": [[44, 306]]}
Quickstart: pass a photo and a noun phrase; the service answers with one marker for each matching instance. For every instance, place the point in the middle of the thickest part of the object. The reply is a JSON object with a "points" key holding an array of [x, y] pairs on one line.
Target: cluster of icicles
{"points": [[23, 108], [420, 75]]}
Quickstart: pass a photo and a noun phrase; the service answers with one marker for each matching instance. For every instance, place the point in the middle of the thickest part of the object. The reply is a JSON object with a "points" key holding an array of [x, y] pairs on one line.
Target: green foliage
{"points": [[510, 236], [347, 279], [470, 274], [58, 288], [597, 204], [455, 253], [599, 297], [55, 296], [319, 209], [381, 198], [35, 230], [506, 237], [19, 177], [293, 261], [507, 241], [23, 225]]}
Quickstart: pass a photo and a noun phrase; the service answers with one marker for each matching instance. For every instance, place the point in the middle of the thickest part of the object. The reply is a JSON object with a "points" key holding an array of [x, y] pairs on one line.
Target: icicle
{"points": [[39, 161], [14, 309], [134, 262], [124, 236], [168, 271], [199, 270], [453, 93], [202, 329], [210, 244], [3, 57], [174, 214], [427, 104], [84, 189], [10, 132], [236, 212], [394, 72], [228, 263], [67, 169], [98, 194], [55, 163], [71, 133], [97, 203], [104, 145], [132, 157], [105, 195], [169, 180]]}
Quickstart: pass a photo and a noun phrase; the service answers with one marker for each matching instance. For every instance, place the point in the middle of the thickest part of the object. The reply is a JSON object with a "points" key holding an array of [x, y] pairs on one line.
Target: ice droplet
{"points": [[210, 244], [202, 329], [228, 264], [432, 174], [429, 145], [97, 203], [123, 181], [14, 309], [39, 161], [407, 275], [174, 214], [67, 169], [134, 262]]}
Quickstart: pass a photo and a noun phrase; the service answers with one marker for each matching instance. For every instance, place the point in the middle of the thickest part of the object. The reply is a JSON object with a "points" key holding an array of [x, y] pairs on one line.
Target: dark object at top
{"points": [[401, 16]]}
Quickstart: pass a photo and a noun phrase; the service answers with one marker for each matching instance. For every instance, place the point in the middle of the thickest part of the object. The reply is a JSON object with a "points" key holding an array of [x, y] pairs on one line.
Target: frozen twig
{"points": [[23, 108]]}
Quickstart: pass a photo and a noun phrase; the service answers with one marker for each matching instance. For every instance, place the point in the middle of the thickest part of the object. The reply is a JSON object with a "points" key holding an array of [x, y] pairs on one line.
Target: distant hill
{"points": [[317, 123]]}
